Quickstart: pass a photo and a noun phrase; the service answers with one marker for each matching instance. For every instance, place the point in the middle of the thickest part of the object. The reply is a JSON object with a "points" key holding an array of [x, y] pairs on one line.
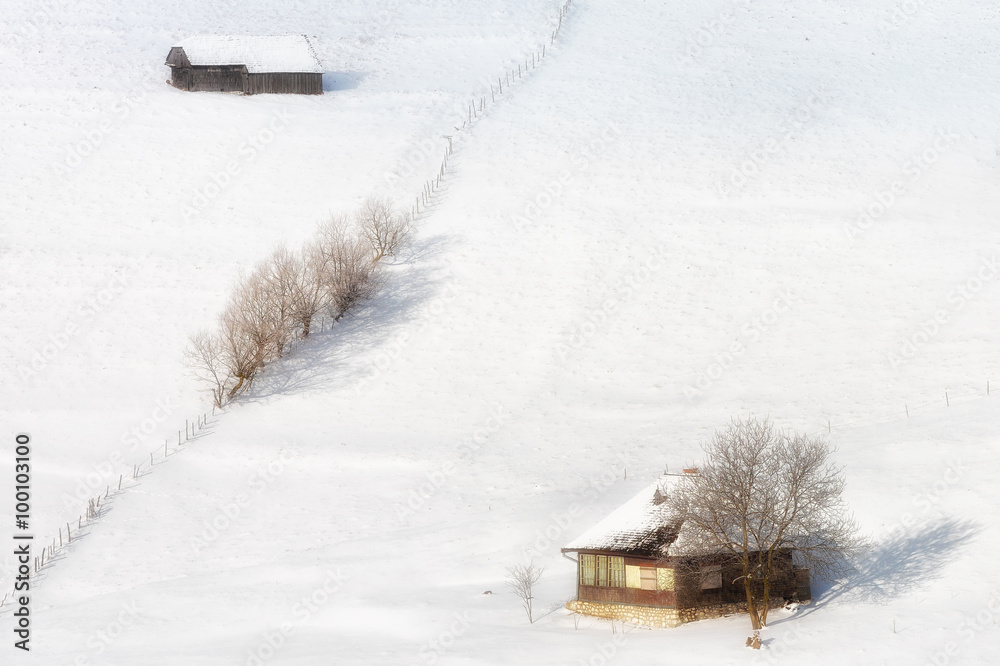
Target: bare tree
{"points": [[758, 492], [282, 295], [381, 226], [521, 579], [252, 331], [204, 356], [349, 275], [309, 298], [278, 279]]}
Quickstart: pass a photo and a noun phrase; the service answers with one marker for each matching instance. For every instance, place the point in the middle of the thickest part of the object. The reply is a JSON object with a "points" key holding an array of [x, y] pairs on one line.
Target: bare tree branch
{"points": [[381, 226], [760, 492], [521, 579]]}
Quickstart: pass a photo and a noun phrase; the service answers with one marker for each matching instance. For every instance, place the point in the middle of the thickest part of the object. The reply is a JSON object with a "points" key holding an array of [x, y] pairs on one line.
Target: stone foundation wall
{"points": [[650, 616]]}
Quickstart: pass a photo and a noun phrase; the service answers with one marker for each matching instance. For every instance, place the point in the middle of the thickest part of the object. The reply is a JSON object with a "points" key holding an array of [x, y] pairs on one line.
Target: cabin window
{"points": [[664, 579], [602, 570], [588, 568], [632, 577], [647, 578], [711, 577], [616, 571]]}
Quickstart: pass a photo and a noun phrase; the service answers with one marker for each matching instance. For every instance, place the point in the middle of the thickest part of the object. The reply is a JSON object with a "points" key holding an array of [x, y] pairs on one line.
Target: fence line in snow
{"points": [[947, 398], [477, 108], [93, 510], [95, 505]]}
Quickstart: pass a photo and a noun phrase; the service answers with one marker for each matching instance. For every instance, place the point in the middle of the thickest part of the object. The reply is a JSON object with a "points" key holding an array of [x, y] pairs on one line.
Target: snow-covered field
{"points": [[689, 211]]}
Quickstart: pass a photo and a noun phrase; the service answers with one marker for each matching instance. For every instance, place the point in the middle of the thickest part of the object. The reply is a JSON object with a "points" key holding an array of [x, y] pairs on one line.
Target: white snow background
{"points": [[688, 211]]}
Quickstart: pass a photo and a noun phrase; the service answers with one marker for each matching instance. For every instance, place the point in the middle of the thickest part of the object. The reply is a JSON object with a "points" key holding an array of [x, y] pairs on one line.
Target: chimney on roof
{"points": [[658, 497], [690, 470]]}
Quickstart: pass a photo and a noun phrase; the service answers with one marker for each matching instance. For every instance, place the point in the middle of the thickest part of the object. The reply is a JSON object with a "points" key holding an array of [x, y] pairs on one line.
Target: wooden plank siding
{"points": [[227, 78], [234, 78], [304, 83], [626, 595]]}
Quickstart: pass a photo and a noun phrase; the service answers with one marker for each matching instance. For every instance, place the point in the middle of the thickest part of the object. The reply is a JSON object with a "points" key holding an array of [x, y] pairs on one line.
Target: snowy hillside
{"points": [[686, 212]]}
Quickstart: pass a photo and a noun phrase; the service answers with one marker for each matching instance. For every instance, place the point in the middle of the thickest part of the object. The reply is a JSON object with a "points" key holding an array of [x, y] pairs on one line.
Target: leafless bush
{"points": [[281, 297], [280, 277], [521, 579], [349, 275], [310, 297], [204, 357], [382, 227], [260, 315]]}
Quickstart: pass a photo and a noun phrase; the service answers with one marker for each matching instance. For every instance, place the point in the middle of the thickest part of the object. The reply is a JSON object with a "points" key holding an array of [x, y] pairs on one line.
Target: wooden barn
{"points": [[246, 64], [628, 569]]}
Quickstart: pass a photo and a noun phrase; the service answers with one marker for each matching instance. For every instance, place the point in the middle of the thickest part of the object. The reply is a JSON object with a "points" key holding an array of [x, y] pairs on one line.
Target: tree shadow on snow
{"points": [[901, 563], [344, 355]]}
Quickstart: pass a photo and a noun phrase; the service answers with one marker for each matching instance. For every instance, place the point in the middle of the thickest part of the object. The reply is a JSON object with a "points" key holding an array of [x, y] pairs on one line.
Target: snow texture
{"points": [[641, 526], [260, 53], [689, 211]]}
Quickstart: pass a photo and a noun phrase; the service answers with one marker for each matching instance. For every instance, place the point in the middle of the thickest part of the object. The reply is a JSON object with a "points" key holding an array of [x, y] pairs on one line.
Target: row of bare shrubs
{"points": [[284, 297]]}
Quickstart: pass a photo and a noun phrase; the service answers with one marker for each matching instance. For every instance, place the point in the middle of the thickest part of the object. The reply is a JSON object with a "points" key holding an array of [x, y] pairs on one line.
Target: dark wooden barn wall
{"points": [[209, 79], [302, 83], [235, 79]]}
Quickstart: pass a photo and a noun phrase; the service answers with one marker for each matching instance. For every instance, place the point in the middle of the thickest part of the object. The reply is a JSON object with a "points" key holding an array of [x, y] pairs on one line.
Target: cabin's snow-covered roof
{"points": [[260, 53], [640, 526]]}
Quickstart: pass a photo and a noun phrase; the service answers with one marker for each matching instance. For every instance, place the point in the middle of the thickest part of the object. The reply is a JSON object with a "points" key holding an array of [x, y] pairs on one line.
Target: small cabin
{"points": [[246, 64], [629, 568]]}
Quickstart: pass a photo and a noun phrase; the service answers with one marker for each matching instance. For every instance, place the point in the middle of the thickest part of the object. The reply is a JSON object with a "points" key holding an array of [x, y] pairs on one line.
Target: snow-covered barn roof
{"points": [[641, 526], [260, 53]]}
